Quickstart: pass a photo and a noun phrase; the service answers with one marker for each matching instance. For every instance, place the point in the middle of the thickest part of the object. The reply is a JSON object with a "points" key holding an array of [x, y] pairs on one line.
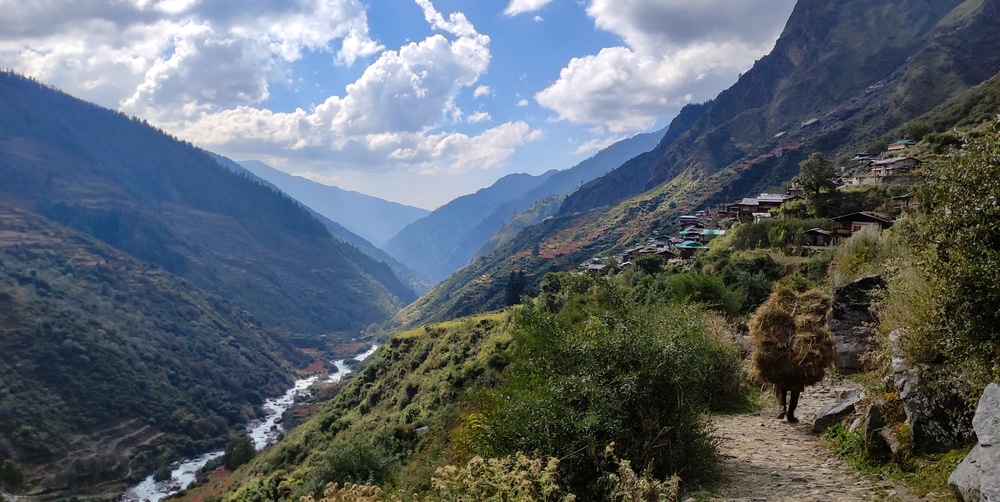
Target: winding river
{"points": [[264, 432]]}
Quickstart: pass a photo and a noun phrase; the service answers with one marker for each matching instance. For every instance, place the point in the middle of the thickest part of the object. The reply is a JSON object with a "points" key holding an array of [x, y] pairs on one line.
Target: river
{"points": [[264, 432]]}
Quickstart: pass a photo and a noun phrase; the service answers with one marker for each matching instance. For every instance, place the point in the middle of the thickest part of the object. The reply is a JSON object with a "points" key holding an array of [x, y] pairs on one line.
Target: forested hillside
{"points": [[172, 205], [112, 367]]}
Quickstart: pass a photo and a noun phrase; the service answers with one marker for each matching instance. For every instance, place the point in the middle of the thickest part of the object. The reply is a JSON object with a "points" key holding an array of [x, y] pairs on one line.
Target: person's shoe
{"points": [[781, 414], [791, 419]]}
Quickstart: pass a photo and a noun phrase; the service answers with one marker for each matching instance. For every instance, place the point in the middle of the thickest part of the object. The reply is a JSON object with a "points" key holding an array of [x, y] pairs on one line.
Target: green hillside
{"points": [[112, 367]]}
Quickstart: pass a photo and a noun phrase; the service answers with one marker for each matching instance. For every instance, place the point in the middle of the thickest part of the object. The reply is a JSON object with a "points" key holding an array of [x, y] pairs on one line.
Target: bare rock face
{"points": [[934, 426], [977, 478], [851, 319]]}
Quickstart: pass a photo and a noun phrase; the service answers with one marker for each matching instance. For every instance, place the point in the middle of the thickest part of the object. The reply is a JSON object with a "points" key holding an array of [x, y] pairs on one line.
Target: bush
{"points": [[612, 372]]}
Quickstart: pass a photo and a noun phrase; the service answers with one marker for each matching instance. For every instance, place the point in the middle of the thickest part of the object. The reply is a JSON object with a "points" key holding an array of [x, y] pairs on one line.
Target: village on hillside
{"points": [[700, 228]]}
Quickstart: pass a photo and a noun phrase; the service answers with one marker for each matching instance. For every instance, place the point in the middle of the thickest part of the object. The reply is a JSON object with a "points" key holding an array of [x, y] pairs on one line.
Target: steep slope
{"points": [[862, 69], [416, 282], [452, 235], [374, 219], [172, 205], [112, 367]]}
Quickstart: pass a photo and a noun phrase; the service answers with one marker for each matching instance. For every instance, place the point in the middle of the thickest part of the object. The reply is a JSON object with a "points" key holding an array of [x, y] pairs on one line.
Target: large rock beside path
{"points": [[977, 478], [851, 322]]}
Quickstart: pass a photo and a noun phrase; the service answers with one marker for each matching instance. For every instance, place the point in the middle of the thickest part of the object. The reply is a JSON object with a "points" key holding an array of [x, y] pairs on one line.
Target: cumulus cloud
{"points": [[478, 117], [675, 51], [183, 56], [516, 7], [204, 70]]}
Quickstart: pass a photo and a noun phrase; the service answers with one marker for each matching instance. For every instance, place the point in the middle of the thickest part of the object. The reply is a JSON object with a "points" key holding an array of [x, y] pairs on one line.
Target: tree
{"points": [[239, 450], [515, 286], [816, 174]]}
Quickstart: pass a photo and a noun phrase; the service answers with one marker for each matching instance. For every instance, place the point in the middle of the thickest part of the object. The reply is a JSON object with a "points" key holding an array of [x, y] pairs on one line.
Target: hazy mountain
{"points": [[843, 77], [448, 238], [375, 219], [172, 205], [418, 283]]}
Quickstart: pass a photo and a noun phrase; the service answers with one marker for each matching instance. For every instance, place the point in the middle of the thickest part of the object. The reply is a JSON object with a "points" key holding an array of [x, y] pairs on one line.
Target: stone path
{"points": [[767, 459]]}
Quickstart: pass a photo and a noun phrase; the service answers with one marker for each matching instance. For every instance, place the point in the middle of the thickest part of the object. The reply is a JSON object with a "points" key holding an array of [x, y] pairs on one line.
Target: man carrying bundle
{"points": [[792, 345]]}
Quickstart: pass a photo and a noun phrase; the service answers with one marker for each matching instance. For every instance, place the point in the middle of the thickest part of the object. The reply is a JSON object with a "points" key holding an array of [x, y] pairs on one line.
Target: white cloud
{"points": [[598, 144], [478, 117], [204, 70], [516, 7], [538, 19], [676, 51], [181, 56], [522, 103]]}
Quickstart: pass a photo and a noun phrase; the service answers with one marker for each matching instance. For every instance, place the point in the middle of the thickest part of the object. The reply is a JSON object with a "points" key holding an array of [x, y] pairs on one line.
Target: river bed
{"points": [[264, 432]]}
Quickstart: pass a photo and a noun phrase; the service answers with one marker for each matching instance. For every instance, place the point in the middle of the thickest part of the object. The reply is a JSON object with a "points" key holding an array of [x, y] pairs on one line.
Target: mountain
{"points": [[112, 367], [448, 238], [172, 205], [416, 282], [843, 77], [372, 218]]}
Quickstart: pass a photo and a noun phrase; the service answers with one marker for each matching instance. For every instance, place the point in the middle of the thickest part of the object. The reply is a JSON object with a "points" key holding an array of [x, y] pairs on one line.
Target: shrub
{"points": [[515, 477], [613, 372]]}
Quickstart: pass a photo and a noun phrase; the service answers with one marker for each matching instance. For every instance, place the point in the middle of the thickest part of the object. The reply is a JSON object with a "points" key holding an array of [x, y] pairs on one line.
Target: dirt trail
{"points": [[767, 459]]}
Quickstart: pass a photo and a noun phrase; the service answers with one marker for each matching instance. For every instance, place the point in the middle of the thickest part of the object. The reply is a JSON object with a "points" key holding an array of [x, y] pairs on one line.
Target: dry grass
{"points": [[792, 346]]}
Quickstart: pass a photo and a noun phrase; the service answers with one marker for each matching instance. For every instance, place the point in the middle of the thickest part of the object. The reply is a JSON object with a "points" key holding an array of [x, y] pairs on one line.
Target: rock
{"points": [[977, 478], [987, 420], [851, 320], [930, 410], [896, 446], [834, 414], [874, 422], [422, 430]]}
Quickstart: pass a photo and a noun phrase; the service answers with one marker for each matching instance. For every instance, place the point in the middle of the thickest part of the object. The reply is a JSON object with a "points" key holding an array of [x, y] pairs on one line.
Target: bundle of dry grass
{"points": [[792, 346]]}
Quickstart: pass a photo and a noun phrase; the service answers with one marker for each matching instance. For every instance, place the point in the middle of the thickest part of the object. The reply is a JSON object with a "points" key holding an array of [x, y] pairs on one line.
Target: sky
{"points": [[414, 101]]}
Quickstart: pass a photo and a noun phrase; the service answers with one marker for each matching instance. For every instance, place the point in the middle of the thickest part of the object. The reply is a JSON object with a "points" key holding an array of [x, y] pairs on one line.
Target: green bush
{"points": [[638, 376]]}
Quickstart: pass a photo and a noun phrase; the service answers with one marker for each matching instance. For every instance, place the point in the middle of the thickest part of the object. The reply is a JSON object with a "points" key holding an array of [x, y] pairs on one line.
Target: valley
{"points": [[599, 329]]}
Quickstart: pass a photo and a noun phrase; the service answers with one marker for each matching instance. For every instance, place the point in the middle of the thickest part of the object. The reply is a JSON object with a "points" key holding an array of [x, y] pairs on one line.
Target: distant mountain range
{"points": [[449, 237], [843, 77], [375, 219], [417, 282]]}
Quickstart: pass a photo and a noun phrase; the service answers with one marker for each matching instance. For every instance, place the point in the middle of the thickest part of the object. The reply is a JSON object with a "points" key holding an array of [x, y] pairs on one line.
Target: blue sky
{"points": [[416, 101]]}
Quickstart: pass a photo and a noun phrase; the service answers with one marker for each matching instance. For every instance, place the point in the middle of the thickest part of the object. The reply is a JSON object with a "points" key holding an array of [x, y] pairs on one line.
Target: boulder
{"points": [[977, 478], [851, 320], [930, 410], [874, 422], [834, 414]]}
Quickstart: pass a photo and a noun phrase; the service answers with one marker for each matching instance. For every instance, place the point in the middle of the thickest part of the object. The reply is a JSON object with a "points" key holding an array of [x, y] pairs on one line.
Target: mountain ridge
{"points": [[748, 139], [374, 219]]}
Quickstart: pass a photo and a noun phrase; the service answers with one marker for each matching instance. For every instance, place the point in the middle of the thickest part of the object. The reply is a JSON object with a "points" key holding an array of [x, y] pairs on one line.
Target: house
{"points": [[903, 201], [818, 237], [708, 235], [901, 145], [687, 249], [768, 201], [748, 205], [894, 166], [848, 224], [875, 172]]}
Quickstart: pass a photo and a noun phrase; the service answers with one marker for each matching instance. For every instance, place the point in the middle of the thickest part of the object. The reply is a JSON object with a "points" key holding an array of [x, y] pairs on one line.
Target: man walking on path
{"points": [[792, 346]]}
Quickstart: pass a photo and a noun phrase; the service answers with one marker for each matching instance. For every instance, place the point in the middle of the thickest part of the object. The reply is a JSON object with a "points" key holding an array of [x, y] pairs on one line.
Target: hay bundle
{"points": [[792, 346]]}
